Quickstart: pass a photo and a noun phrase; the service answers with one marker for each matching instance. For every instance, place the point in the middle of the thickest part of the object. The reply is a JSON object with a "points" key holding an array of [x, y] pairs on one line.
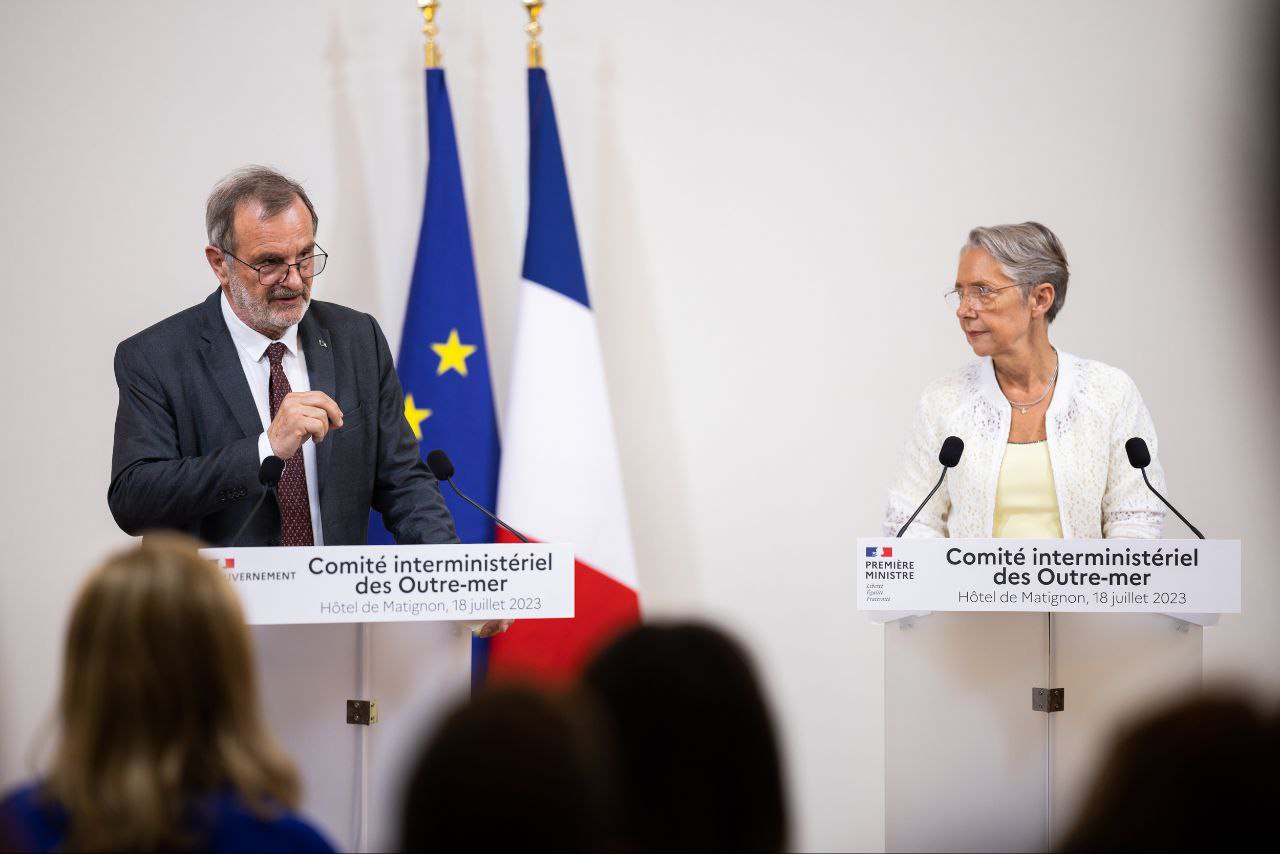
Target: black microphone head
{"points": [[1139, 453], [952, 448], [440, 464], [270, 470]]}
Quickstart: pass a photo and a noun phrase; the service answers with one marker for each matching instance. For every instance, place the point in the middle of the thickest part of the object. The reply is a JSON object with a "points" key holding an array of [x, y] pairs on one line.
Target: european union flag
{"points": [[443, 362]]}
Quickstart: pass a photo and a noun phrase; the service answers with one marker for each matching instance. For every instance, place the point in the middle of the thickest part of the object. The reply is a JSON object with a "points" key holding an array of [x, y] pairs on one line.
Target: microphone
{"points": [[268, 475], [270, 471], [442, 467], [1140, 457], [948, 456], [950, 453]]}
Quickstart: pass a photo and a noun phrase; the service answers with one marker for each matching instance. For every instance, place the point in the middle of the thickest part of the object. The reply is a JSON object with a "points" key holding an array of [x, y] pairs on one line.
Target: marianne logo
{"points": [[230, 562], [883, 551]]}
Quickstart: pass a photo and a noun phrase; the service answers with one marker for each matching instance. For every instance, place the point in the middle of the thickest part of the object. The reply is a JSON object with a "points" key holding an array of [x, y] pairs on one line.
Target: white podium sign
{"points": [[381, 584], [1162, 576]]}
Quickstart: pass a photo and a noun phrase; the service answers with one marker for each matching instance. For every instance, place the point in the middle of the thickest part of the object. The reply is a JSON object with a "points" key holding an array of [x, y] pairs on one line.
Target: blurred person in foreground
{"points": [[556, 787], [698, 756], [1044, 431], [1198, 775], [161, 744]]}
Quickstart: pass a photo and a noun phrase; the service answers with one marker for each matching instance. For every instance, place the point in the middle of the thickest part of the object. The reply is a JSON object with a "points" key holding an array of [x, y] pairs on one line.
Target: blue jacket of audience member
{"points": [[222, 823]]}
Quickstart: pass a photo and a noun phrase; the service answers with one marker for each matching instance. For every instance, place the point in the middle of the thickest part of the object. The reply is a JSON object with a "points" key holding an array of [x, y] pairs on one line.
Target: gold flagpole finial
{"points": [[534, 29], [432, 55]]}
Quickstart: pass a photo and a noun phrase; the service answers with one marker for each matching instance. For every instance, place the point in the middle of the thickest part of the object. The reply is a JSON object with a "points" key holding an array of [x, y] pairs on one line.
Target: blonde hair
{"points": [[159, 703]]}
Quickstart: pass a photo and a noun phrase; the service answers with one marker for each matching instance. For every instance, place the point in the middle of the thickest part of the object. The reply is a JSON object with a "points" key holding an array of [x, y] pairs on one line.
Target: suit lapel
{"points": [[318, 349], [224, 365]]}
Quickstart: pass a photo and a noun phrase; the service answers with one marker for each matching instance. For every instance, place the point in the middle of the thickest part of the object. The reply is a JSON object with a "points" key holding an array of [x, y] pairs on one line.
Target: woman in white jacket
{"points": [[1044, 431]]}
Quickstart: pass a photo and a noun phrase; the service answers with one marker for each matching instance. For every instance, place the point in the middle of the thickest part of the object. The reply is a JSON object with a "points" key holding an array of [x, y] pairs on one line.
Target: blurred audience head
{"points": [[159, 702], [1198, 775], [514, 769], [696, 746]]}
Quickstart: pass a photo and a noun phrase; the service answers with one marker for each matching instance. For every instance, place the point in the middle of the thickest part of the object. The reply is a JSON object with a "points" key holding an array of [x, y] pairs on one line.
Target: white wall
{"points": [[770, 198]]}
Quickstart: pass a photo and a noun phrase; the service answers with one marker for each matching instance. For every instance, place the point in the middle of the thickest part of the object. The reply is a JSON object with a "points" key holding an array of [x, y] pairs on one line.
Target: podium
{"points": [[1006, 677], [390, 624]]}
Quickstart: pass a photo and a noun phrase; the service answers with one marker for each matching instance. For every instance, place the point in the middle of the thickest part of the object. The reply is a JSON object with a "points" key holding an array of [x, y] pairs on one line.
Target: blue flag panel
{"points": [[551, 256], [443, 362]]}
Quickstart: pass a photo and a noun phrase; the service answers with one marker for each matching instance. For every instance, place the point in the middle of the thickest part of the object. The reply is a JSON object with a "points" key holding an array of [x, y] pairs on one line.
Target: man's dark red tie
{"points": [[295, 507]]}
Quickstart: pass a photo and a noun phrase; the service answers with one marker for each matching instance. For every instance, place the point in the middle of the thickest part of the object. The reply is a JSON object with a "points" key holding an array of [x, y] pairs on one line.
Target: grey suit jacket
{"points": [[186, 440]]}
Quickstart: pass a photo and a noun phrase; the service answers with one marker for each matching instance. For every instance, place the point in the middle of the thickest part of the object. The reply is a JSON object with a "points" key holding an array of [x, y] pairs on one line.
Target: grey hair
{"points": [[1028, 253], [261, 184]]}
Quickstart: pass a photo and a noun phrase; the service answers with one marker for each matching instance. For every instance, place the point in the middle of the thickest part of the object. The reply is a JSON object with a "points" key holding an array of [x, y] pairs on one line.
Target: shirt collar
{"points": [[250, 340]]}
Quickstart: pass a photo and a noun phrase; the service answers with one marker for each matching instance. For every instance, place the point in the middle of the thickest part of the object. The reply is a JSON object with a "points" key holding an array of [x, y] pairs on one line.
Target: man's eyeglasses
{"points": [[978, 296], [275, 272]]}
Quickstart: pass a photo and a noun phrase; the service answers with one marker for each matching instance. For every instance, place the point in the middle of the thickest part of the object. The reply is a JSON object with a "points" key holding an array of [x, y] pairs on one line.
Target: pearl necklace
{"points": [[1023, 407]]}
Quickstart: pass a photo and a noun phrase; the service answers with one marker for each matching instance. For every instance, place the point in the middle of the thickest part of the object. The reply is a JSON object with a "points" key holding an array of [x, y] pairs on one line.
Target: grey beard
{"points": [[259, 314]]}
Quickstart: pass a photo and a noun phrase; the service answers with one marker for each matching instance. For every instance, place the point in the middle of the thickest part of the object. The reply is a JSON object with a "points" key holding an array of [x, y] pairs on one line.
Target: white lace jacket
{"points": [[1095, 409]]}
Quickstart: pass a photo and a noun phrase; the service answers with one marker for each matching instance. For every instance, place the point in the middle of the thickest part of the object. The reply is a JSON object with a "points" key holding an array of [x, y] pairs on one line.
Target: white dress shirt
{"points": [[251, 347]]}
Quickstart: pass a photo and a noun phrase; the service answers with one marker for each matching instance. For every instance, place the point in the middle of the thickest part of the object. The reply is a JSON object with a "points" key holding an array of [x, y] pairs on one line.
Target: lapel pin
{"points": [[322, 344]]}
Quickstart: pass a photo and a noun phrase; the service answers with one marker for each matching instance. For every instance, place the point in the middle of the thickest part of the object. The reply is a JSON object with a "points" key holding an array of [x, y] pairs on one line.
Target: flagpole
{"points": [[432, 55], [534, 29]]}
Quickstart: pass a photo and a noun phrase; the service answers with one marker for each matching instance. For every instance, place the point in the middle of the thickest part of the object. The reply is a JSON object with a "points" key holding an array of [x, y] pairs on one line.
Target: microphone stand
{"points": [[903, 529], [467, 499], [270, 490], [1157, 494]]}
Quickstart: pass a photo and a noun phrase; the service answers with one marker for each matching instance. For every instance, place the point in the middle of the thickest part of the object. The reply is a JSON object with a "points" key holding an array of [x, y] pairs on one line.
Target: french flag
{"points": [[883, 551], [559, 479]]}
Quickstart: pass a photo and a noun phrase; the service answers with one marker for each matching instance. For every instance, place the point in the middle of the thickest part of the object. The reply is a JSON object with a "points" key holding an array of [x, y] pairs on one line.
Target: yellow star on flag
{"points": [[453, 354], [415, 416]]}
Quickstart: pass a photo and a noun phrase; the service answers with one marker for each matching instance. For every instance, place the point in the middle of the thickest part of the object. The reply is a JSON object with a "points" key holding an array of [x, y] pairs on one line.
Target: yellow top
{"points": [[1026, 503]]}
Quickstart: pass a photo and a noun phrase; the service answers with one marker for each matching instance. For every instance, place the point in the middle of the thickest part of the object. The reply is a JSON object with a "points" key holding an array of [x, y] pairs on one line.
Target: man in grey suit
{"points": [[259, 369]]}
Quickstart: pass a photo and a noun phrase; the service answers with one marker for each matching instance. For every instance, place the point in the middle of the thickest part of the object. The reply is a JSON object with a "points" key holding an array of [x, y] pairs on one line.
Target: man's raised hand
{"points": [[302, 414]]}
